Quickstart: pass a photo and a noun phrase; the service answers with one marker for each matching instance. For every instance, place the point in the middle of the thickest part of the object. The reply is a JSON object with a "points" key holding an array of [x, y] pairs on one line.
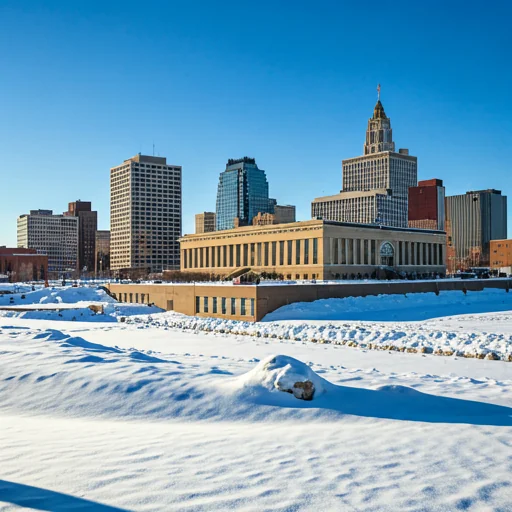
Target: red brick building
{"points": [[21, 264], [426, 205]]}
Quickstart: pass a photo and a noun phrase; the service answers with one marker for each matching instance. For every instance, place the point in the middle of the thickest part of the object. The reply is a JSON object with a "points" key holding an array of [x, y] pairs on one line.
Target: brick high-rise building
{"points": [[426, 205], [375, 186], [53, 235], [205, 222], [87, 226], [145, 214], [474, 219]]}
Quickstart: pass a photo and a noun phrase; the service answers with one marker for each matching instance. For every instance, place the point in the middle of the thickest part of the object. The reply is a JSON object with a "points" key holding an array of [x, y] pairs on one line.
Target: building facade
{"points": [[252, 303], [22, 265], [53, 235], [145, 214], [316, 249], [375, 186], [501, 255], [87, 226], [242, 193], [474, 219], [102, 257], [281, 215], [426, 205], [205, 222]]}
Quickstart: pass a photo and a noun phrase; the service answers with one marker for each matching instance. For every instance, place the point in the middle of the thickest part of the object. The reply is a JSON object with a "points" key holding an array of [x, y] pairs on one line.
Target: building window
{"points": [[242, 307], [274, 255], [289, 247], [214, 305], [252, 254], [223, 305], [198, 304], [233, 306], [245, 260], [306, 252], [205, 304], [237, 255], [315, 251], [297, 252], [265, 254], [281, 253], [252, 307], [386, 254]]}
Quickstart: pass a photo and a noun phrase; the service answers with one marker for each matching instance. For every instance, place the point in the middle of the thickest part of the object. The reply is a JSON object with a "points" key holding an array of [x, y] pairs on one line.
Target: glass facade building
{"points": [[242, 193]]}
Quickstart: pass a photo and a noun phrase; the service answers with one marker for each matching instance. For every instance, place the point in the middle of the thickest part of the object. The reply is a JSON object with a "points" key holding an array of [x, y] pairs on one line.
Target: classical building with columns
{"points": [[316, 249], [375, 186]]}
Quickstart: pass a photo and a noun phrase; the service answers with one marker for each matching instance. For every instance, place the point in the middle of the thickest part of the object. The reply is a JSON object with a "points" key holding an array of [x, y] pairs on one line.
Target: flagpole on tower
{"points": [[378, 92]]}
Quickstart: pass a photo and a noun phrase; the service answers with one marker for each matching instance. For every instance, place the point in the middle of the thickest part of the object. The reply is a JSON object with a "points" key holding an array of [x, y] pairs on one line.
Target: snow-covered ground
{"points": [[66, 303], [143, 415]]}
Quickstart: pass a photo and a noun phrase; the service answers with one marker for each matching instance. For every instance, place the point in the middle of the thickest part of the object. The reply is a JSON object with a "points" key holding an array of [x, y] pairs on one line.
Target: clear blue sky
{"points": [[85, 85]]}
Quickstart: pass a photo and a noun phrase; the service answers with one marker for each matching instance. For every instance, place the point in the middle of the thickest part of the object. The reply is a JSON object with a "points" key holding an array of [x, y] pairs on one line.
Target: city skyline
{"points": [[307, 95]]}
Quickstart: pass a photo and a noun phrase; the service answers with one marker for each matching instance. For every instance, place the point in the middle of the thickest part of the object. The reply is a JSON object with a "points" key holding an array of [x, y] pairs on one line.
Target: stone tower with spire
{"points": [[379, 135], [375, 186]]}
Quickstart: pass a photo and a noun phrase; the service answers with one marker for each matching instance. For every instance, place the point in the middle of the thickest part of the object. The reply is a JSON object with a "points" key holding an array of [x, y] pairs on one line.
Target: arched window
{"points": [[386, 254]]}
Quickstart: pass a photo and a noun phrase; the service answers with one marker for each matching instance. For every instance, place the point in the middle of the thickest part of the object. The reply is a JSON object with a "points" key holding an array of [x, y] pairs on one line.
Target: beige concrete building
{"points": [[375, 186], [205, 222], [53, 235], [316, 249], [145, 214]]}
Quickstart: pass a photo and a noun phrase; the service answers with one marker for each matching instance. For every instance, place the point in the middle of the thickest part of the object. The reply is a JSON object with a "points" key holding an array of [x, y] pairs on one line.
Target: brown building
{"points": [[22, 264], [87, 226], [426, 205], [316, 249], [501, 255], [102, 259], [205, 222], [282, 215]]}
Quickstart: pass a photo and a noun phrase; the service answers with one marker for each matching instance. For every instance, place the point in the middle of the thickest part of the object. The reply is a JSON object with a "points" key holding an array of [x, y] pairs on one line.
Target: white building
{"points": [[145, 214], [376, 184], [53, 235]]}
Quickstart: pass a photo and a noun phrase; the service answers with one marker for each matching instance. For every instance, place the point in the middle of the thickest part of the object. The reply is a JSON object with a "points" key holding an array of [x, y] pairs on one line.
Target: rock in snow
{"points": [[284, 373]]}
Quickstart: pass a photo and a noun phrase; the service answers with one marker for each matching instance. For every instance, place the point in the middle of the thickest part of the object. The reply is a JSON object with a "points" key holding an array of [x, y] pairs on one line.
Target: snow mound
{"points": [[284, 373]]}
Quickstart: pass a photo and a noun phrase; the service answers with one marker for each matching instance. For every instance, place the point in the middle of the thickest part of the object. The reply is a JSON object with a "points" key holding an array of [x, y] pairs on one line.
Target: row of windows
{"points": [[221, 305], [261, 254]]}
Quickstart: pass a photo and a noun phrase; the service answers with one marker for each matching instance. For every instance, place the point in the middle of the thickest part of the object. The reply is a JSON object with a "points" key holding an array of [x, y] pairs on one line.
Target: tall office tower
{"points": [[474, 219], [375, 186], [53, 235], [145, 214], [426, 205], [205, 222], [242, 193], [102, 257], [87, 226]]}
